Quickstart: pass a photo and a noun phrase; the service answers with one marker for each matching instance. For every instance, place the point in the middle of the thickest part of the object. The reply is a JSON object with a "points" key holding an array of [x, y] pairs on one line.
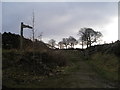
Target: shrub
{"points": [[56, 57], [40, 63]]}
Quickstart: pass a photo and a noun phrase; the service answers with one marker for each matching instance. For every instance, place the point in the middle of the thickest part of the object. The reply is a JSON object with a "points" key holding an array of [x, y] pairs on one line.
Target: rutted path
{"points": [[81, 76], [84, 77]]}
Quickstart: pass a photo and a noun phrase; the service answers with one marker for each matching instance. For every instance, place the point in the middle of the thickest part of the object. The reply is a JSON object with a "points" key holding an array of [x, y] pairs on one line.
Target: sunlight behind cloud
{"points": [[111, 33]]}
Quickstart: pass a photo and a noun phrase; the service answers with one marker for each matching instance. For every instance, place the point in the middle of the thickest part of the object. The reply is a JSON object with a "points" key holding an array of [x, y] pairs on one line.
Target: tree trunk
{"points": [[87, 45], [90, 43], [73, 45], [66, 46], [82, 44]]}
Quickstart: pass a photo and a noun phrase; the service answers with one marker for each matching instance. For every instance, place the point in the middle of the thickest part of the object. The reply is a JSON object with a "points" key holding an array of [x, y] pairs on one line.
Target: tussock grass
{"points": [[106, 65]]}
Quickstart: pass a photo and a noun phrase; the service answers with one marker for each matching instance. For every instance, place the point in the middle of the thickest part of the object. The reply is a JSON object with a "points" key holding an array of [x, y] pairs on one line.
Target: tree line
{"points": [[87, 36]]}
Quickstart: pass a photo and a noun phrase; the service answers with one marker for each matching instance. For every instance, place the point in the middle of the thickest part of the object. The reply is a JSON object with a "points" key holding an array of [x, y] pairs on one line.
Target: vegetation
{"points": [[106, 65], [46, 67], [89, 36], [12, 41], [52, 43], [73, 73], [17, 66], [105, 60]]}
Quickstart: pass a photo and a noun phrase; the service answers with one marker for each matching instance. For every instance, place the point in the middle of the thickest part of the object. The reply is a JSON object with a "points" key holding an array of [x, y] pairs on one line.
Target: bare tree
{"points": [[60, 44], [72, 41], [40, 36], [88, 36], [65, 42], [52, 43], [33, 29], [81, 41]]}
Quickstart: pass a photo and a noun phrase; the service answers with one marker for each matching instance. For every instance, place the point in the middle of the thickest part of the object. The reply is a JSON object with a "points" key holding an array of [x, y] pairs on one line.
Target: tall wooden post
{"points": [[21, 38], [21, 32]]}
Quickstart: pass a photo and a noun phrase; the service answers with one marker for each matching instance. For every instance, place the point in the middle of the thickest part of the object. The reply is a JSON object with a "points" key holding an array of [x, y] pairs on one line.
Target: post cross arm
{"points": [[26, 26]]}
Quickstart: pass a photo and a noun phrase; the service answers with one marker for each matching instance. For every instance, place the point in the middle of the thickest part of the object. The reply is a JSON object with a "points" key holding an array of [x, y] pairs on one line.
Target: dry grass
{"points": [[106, 64]]}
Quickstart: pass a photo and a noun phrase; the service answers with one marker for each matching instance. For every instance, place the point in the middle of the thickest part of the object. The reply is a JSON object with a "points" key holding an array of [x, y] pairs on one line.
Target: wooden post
{"points": [[21, 38]]}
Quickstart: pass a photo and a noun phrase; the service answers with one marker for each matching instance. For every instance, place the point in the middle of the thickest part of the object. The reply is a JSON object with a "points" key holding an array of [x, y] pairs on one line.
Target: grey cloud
{"points": [[57, 20]]}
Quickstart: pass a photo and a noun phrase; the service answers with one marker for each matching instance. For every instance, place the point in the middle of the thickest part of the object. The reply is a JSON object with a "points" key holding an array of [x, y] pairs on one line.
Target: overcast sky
{"points": [[61, 19]]}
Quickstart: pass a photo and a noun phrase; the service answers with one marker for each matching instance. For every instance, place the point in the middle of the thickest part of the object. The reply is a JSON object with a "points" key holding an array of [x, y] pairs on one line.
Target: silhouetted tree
{"points": [[40, 36], [65, 42], [60, 44], [89, 36], [72, 41], [81, 42], [52, 43]]}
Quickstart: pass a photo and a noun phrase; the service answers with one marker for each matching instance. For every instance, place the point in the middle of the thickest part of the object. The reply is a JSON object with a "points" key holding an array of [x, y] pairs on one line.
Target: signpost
{"points": [[21, 40]]}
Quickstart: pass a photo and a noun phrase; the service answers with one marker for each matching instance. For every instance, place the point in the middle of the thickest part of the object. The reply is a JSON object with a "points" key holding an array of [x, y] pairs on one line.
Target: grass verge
{"points": [[106, 65]]}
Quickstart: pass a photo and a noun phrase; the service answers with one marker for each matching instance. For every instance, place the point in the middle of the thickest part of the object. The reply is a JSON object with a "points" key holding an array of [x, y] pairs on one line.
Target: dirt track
{"points": [[82, 76]]}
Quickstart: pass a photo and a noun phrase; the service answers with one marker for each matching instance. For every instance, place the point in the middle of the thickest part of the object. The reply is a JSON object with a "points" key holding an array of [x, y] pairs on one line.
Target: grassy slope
{"points": [[17, 74], [66, 78], [20, 78], [78, 74], [106, 65]]}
